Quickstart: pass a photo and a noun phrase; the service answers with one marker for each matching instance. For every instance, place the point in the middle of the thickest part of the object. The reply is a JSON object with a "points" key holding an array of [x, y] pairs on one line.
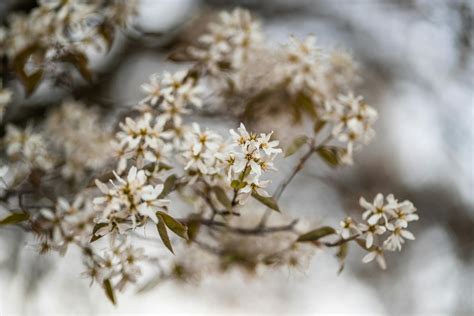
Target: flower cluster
{"points": [[229, 42], [173, 93], [199, 152], [214, 175], [27, 147], [142, 140], [251, 156], [352, 121], [58, 35], [128, 203], [76, 133], [117, 267], [72, 23], [66, 223], [302, 67], [382, 217]]}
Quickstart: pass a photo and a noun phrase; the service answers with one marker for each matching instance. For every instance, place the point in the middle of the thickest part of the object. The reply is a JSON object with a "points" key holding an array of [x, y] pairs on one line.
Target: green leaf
{"points": [[222, 197], [164, 234], [267, 201], [151, 284], [341, 255], [180, 56], [15, 218], [95, 229], [168, 186], [107, 32], [174, 225], [109, 291], [80, 61], [317, 234], [318, 126], [163, 166], [329, 155], [193, 229], [30, 81], [237, 185], [296, 145], [302, 104]]}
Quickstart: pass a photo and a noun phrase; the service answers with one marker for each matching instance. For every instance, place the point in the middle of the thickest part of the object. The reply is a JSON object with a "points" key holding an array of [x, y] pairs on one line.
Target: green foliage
{"points": [[169, 186], [237, 185], [164, 221], [95, 229], [30, 81], [80, 61], [109, 291], [174, 225], [164, 234], [15, 218], [330, 155], [296, 145], [222, 197], [341, 256], [267, 201], [318, 126], [316, 234]]}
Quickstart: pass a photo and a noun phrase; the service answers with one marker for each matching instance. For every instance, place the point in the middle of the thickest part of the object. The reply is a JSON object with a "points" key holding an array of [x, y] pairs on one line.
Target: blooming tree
{"points": [[96, 180]]}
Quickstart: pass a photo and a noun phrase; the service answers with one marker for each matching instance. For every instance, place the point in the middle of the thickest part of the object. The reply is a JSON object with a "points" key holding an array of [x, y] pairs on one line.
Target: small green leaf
{"points": [[193, 229], [318, 126], [30, 81], [107, 32], [237, 185], [341, 255], [180, 56], [164, 234], [15, 218], [169, 186], [95, 229], [267, 201], [163, 166], [151, 284], [222, 197], [306, 104], [80, 61], [329, 155], [175, 226], [317, 234], [296, 145], [109, 291]]}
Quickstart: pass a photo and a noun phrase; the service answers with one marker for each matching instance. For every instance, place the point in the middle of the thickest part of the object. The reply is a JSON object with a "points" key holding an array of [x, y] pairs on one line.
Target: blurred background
{"points": [[416, 58]]}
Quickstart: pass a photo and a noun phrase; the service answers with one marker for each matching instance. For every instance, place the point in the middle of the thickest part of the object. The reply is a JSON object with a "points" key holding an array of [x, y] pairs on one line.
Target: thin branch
{"points": [[246, 231]]}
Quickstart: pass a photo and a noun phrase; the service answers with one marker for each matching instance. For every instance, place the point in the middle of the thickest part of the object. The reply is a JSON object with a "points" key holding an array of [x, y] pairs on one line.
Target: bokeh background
{"points": [[416, 58]]}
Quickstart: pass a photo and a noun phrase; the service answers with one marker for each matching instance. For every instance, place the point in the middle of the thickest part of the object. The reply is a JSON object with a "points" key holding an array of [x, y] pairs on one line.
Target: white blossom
{"points": [[376, 254]]}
